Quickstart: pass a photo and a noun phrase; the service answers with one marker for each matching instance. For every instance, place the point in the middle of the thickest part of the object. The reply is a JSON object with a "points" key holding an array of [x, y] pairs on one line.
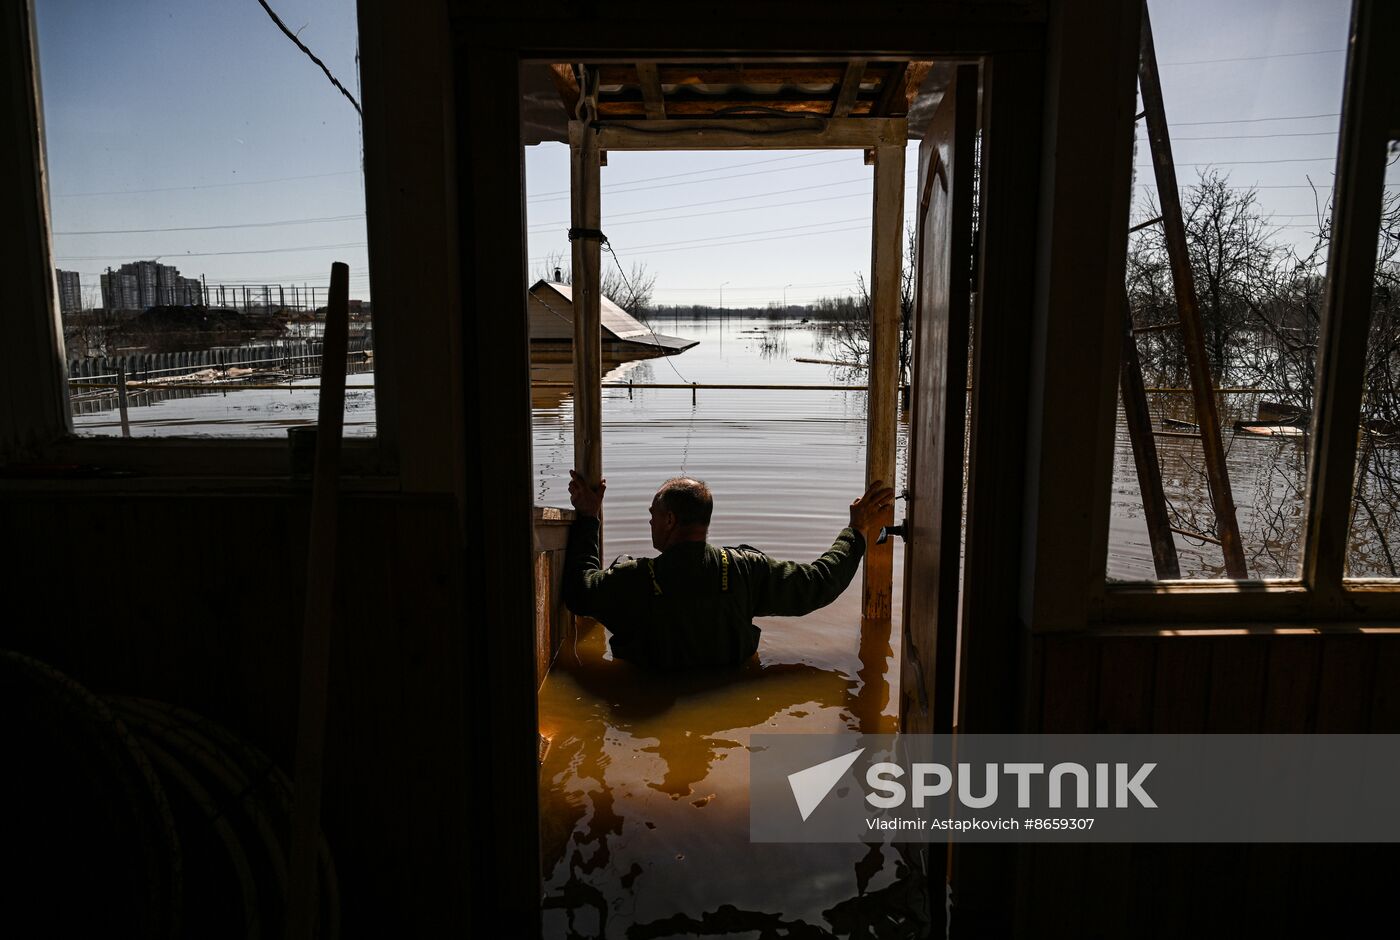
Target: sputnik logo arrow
{"points": [[810, 786]]}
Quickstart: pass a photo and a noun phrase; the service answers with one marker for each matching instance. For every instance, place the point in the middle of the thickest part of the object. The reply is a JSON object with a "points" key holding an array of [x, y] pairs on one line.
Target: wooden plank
{"points": [[1385, 688], [893, 101], [499, 700], [1149, 468], [566, 83], [1127, 680], [33, 374], [882, 401], [318, 617], [588, 337], [1292, 685], [651, 90], [1368, 108], [1237, 680], [1076, 328], [625, 107], [1345, 683], [1174, 227], [850, 87], [934, 522], [756, 134], [1058, 872], [994, 667], [412, 227]]}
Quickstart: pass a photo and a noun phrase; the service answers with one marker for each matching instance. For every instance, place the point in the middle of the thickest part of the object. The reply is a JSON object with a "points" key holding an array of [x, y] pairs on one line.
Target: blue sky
{"points": [[165, 115]]}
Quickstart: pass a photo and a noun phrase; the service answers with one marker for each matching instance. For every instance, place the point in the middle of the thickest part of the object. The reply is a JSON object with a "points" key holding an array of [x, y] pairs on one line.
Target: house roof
{"points": [[617, 323]]}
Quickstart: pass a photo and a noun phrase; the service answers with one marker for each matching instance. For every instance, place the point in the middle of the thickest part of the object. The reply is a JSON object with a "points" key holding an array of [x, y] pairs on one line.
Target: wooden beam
{"points": [[318, 617], [756, 134], [913, 78], [850, 87], [721, 73], [495, 684], [1188, 307], [587, 219], [567, 85], [624, 107], [1076, 327], [1149, 468], [33, 375], [886, 256], [650, 80], [893, 101], [1368, 110]]}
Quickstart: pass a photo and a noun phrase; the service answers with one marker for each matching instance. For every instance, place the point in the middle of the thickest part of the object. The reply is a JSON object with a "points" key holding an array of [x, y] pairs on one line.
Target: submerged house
{"points": [[432, 789], [623, 335]]}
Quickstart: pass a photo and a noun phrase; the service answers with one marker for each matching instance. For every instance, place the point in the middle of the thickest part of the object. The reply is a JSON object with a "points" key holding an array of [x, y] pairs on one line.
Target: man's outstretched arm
{"points": [[790, 589], [589, 590]]}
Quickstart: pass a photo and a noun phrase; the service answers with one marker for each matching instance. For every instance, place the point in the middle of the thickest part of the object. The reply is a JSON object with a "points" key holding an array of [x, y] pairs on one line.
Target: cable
{"points": [[1259, 136], [718, 169], [312, 56], [1287, 117], [1256, 58], [606, 244], [207, 254], [209, 228], [176, 189], [1331, 159], [639, 189]]}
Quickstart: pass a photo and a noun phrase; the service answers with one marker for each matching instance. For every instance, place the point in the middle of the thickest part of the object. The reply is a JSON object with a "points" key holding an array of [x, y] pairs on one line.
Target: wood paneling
{"points": [[197, 600]]}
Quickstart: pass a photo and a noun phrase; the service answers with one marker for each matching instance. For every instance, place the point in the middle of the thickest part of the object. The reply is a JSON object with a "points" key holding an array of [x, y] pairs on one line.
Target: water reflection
{"points": [[644, 802]]}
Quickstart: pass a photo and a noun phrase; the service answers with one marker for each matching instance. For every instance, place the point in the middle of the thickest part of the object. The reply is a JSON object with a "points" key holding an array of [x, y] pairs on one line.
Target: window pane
{"points": [[1252, 105], [204, 174], [1373, 549]]}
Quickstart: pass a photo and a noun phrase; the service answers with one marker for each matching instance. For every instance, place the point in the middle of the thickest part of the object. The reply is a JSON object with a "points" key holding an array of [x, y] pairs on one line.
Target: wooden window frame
{"points": [[1322, 596], [411, 448]]}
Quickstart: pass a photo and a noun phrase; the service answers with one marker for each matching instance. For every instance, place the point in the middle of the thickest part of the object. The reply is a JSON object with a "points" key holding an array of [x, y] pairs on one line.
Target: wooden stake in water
{"points": [[316, 623], [121, 401]]}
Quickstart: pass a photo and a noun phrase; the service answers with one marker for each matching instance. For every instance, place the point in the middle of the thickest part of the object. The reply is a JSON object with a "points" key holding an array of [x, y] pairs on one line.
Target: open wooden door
{"points": [[938, 401]]}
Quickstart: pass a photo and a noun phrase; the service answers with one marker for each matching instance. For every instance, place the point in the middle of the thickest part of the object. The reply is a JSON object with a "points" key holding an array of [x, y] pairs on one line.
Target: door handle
{"points": [[901, 530]]}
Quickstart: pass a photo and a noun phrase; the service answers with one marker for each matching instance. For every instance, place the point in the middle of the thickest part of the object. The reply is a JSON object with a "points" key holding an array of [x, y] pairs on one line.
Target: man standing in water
{"points": [[694, 604]]}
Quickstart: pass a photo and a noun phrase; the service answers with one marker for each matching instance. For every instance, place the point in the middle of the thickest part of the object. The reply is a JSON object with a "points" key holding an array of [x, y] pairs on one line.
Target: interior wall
{"points": [[196, 599]]}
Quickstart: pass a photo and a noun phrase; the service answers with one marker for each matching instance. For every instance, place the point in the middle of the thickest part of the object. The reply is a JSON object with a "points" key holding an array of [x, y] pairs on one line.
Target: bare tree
{"points": [[848, 318], [1234, 264], [632, 292]]}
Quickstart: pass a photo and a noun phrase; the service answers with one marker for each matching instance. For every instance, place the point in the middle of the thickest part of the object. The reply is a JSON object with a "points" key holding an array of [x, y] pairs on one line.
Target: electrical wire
{"points": [[312, 56]]}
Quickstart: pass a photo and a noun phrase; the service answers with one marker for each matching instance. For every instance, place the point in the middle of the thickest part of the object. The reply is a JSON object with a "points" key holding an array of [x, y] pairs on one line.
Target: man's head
{"points": [[680, 512]]}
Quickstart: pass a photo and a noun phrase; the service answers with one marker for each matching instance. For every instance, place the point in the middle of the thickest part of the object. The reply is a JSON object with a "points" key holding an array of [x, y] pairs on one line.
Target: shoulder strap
{"points": [[651, 572], [724, 570]]}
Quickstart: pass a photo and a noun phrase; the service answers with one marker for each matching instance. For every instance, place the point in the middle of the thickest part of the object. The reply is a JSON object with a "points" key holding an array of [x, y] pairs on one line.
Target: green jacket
{"points": [[694, 604]]}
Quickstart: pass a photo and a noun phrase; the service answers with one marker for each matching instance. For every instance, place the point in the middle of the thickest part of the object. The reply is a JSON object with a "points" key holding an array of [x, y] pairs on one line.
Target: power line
{"points": [[209, 254], [176, 189], [639, 189], [312, 56], [1256, 58], [718, 169], [548, 226], [1288, 117], [695, 245], [209, 228], [1331, 159], [1258, 136]]}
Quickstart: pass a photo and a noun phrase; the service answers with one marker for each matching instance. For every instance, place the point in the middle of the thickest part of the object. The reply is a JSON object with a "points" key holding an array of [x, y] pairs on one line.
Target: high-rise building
{"points": [[137, 285], [70, 292]]}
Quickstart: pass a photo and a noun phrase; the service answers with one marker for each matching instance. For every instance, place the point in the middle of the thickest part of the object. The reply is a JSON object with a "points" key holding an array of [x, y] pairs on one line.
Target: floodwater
{"points": [[234, 413]]}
